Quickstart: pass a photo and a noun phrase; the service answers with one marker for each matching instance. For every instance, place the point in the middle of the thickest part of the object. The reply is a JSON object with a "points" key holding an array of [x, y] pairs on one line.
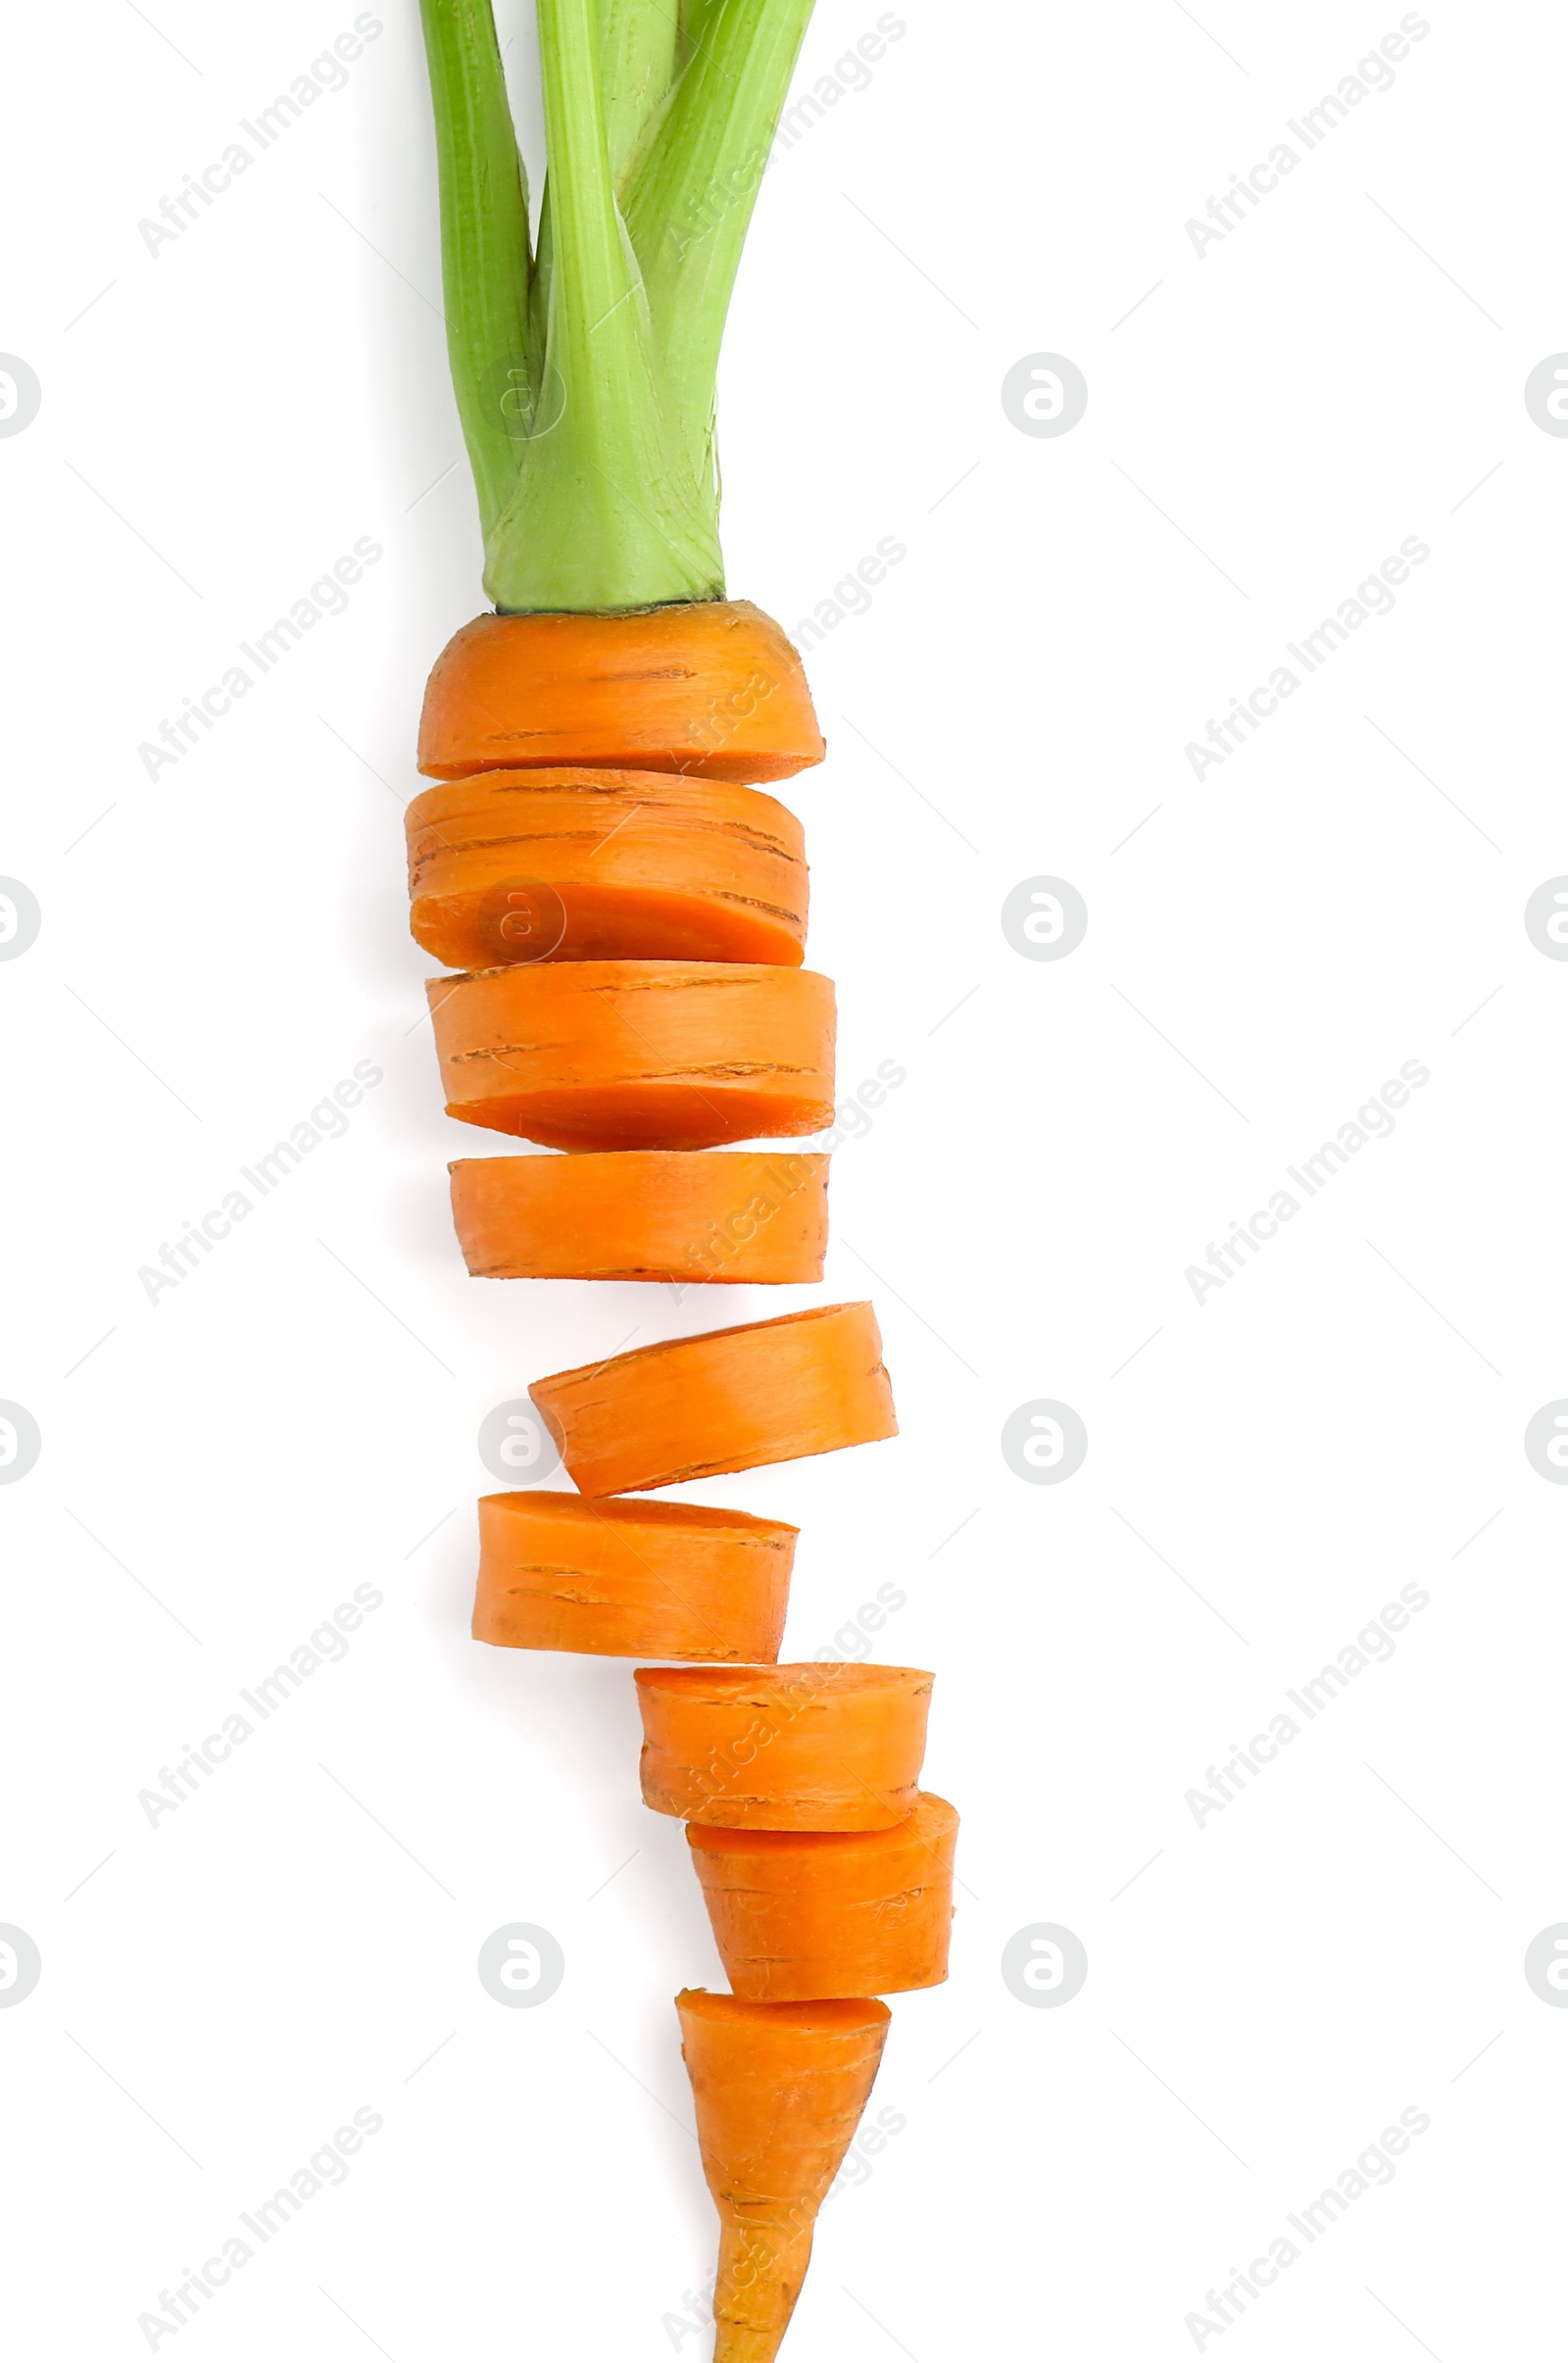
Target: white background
{"points": [[1267, 1991]]}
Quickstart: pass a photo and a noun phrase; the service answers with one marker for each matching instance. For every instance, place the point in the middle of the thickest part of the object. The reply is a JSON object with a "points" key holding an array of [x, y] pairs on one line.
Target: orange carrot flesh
{"points": [[818, 1747], [631, 1579], [802, 1913], [637, 1054], [673, 1214], [711, 689], [599, 864], [779, 2088], [736, 1399]]}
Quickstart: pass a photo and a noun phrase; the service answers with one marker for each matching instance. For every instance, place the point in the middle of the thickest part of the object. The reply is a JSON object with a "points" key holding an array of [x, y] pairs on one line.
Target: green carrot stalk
{"points": [[585, 371]]}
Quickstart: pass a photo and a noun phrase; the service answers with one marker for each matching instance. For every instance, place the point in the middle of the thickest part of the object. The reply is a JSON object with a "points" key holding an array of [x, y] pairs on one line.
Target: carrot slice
{"points": [[644, 1214], [779, 2090], [637, 1054], [781, 1390], [569, 865], [631, 1579], [818, 1747], [799, 1913], [713, 688]]}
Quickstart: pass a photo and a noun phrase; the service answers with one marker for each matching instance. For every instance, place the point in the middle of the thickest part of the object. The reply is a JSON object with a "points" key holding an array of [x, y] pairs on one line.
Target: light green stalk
{"points": [[690, 202], [585, 375], [485, 262], [637, 51]]}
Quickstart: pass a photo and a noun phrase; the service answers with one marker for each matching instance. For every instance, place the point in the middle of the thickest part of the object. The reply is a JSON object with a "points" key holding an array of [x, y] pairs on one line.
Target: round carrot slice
{"points": [[714, 689], [631, 1579], [809, 1382], [679, 1214], [571, 865], [802, 1913], [637, 1054], [820, 1747]]}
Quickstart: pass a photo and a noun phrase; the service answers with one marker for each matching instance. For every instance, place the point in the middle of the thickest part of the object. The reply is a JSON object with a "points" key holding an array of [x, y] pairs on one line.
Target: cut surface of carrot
{"points": [[596, 864], [802, 1913], [808, 1382], [779, 2088], [711, 688], [817, 1747], [676, 1214], [637, 1054], [631, 1579]]}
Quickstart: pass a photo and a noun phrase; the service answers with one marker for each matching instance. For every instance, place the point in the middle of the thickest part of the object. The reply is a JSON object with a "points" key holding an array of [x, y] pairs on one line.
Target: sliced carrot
{"points": [[637, 1054], [818, 1747], [779, 2090], [631, 1579], [808, 1382], [711, 688], [571, 865], [679, 1214], [799, 1913]]}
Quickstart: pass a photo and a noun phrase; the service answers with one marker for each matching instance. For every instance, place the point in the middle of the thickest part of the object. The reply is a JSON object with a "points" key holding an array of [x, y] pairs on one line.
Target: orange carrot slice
{"points": [[571, 865], [631, 1579], [644, 1214], [714, 689], [779, 2090], [799, 1913], [637, 1054], [819, 1746], [808, 1382]]}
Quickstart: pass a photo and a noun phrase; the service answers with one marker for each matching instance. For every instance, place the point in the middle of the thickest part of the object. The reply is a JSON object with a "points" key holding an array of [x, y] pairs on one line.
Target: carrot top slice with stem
{"points": [[711, 689]]}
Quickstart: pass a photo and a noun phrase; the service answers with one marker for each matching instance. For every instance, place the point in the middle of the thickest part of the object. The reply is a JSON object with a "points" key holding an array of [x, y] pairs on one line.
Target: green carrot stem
{"points": [[606, 513], [637, 52], [689, 205], [486, 259], [585, 374]]}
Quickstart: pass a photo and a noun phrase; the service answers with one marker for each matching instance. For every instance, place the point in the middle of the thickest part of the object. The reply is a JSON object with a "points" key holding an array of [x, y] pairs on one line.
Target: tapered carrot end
{"points": [[779, 2090]]}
